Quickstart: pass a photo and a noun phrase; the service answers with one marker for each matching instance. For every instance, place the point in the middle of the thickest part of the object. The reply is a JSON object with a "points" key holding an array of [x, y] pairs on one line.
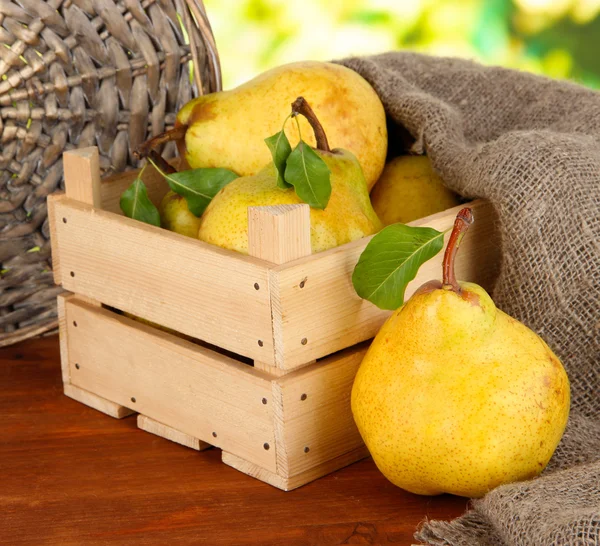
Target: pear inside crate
{"points": [[255, 355]]}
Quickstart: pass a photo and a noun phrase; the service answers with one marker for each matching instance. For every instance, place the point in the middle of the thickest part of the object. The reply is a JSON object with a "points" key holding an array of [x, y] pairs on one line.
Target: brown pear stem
{"points": [[462, 223], [300, 106], [161, 162], [145, 148]]}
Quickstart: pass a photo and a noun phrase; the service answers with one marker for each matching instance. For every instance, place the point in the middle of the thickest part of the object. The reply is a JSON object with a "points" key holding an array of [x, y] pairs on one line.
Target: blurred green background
{"points": [[559, 38]]}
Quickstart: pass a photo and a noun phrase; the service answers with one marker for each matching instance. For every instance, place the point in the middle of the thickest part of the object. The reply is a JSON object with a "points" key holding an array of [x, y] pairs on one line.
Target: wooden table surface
{"points": [[71, 475]]}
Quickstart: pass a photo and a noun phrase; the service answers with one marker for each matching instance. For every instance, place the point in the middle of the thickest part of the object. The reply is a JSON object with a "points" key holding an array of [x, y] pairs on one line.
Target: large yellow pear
{"points": [[409, 189], [455, 396], [227, 129], [348, 215], [176, 216]]}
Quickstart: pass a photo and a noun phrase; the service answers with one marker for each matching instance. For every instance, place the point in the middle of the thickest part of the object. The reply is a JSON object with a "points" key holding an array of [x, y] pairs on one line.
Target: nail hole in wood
{"points": [[264, 401], [133, 399], [302, 283], [260, 343], [306, 449], [266, 446], [304, 341], [64, 220], [256, 286], [214, 434], [77, 365], [75, 323], [72, 273], [304, 397]]}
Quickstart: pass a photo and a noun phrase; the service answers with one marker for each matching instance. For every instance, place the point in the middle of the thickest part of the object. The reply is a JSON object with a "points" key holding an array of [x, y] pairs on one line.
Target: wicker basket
{"points": [[77, 73]]}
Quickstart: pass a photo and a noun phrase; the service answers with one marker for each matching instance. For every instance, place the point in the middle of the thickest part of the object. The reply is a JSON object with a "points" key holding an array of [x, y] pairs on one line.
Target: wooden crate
{"points": [[255, 354]]}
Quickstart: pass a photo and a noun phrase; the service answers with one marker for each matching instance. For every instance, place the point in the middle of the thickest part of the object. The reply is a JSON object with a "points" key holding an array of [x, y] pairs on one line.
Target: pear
{"points": [[347, 216], [227, 129], [176, 216], [409, 189], [455, 396]]}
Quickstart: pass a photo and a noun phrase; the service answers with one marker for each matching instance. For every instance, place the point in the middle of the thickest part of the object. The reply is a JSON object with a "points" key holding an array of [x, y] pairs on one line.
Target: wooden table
{"points": [[71, 475]]}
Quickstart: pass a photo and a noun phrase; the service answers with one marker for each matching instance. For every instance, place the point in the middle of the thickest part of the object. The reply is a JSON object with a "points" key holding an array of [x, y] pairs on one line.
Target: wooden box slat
{"points": [[181, 283], [316, 424], [173, 381]]}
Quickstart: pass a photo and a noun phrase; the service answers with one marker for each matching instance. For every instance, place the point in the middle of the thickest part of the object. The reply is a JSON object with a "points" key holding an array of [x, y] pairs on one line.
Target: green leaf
{"points": [[391, 260], [309, 175], [280, 150], [136, 204], [199, 186]]}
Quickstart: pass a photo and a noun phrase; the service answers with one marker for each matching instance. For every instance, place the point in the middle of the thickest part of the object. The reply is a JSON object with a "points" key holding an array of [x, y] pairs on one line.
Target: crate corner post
{"points": [[82, 183]]}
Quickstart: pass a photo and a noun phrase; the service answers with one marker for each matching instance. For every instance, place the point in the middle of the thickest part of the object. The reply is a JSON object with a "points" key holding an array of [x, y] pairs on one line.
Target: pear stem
{"points": [[300, 106], [463, 221], [159, 161], [145, 148]]}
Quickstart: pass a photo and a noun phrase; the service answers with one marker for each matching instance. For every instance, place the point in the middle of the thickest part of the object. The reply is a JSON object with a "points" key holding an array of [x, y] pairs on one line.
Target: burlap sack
{"points": [[532, 147]]}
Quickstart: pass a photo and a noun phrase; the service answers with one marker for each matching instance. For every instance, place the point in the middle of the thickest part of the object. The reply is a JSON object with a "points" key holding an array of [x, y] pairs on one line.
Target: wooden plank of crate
{"points": [[96, 402], [278, 234], [195, 390], [293, 482], [169, 433], [52, 220], [192, 287], [314, 422], [82, 175], [61, 302], [317, 311]]}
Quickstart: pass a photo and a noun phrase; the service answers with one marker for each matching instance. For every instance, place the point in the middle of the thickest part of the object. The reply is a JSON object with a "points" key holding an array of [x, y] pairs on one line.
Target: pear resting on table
{"points": [[455, 396], [227, 129]]}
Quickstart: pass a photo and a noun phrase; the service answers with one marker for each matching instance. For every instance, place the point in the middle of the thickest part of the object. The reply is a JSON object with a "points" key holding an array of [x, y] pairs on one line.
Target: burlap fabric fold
{"points": [[531, 146]]}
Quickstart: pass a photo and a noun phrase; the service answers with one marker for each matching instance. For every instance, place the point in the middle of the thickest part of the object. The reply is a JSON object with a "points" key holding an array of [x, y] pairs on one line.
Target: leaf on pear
{"points": [[136, 204], [309, 175], [280, 150], [391, 260], [199, 186]]}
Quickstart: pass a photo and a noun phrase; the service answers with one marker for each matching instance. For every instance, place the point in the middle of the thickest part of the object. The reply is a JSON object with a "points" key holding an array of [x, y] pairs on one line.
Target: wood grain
{"points": [[319, 311], [72, 476], [189, 388], [315, 424], [192, 287], [164, 431], [278, 234], [82, 175]]}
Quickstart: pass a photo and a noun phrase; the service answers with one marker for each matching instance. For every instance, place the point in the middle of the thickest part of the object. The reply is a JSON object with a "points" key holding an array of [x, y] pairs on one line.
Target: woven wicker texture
{"points": [[78, 73]]}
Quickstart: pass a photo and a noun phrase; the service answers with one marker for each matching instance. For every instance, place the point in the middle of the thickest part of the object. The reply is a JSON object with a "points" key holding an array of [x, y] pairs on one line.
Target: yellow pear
{"points": [[227, 129], [455, 396], [348, 215], [409, 189], [176, 216]]}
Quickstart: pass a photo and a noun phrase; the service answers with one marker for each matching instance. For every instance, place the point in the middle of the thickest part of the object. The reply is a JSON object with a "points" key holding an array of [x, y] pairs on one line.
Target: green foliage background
{"points": [[559, 38]]}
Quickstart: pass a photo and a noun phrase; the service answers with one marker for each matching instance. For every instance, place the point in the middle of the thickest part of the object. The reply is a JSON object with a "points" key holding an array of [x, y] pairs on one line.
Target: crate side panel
{"points": [[181, 283], [172, 381], [316, 413], [318, 311]]}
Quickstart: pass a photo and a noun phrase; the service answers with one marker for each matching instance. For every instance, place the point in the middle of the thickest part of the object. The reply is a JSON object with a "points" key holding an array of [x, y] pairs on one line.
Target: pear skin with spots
{"points": [[348, 215], [176, 216], [409, 189], [227, 129], [455, 396]]}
